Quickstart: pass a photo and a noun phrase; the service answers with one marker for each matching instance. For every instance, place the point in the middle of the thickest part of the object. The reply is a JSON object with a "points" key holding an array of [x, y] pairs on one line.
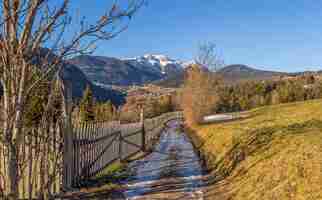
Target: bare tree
{"points": [[208, 57], [33, 47], [199, 94]]}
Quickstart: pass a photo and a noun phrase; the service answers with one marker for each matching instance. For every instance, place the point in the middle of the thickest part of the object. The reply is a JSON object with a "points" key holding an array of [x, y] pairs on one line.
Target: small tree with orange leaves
{"points": [[199, 94]]}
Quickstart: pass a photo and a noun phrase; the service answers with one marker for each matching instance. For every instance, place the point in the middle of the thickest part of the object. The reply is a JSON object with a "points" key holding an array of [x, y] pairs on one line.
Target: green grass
{"points": [[275, 153], [111, 175], [101, 186], [113, 170], [106, 180]]}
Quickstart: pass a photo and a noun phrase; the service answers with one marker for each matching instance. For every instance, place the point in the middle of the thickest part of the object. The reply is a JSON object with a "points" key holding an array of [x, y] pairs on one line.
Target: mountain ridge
{"points": [[78, 83], [114, 71], [229, 73], [240, 72]]}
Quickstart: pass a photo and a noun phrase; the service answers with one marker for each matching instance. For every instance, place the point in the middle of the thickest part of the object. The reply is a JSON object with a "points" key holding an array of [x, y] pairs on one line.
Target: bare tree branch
{"points": [[33, 49], [208, 57]]}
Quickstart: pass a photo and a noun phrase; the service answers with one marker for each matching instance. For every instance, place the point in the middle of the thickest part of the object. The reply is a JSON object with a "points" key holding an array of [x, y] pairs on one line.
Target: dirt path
{"points": [[171, 171]]}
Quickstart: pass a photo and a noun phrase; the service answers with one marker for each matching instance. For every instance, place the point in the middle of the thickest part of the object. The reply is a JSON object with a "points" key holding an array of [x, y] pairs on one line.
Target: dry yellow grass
{"points": [[276, 153]]}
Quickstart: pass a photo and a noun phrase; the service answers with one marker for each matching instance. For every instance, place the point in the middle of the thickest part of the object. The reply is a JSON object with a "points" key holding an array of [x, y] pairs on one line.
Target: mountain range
{"points": [[125, 72], [157, 69]]}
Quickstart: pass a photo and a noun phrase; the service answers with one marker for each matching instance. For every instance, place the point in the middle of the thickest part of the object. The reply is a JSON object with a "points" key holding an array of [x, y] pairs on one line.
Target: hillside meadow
{"points": [[273, 153]]}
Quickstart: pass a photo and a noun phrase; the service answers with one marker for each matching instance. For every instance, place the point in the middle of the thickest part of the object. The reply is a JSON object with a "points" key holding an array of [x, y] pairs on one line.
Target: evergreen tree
{"points": [[87, 106], [107, 112]]}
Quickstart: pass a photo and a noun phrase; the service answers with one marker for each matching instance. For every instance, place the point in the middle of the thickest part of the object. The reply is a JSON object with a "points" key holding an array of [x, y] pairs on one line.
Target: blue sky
{"points": [[284, 35]]}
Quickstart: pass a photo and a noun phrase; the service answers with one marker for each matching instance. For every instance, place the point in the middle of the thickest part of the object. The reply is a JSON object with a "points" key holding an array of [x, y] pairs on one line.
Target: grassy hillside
{"points": [[275, 153]]}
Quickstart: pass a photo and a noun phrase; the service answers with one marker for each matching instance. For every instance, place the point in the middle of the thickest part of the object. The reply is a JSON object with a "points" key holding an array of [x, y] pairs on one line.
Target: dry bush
{"points": [[130, 116]]}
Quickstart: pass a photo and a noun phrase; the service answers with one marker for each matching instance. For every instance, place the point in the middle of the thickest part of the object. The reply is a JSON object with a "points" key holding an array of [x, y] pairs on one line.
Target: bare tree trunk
{"points": [[13, 172], [12, 164], [12, 130]]}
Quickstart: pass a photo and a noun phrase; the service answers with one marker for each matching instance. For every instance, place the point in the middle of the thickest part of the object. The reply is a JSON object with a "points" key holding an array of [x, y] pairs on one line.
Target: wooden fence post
{"points": [[120, 147], [143, 130], [68, 158]]}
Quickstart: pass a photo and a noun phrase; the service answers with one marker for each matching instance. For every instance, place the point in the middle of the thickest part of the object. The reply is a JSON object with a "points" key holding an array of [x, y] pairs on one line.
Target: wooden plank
{"points": [[105, 132], [120, 147], [92, 157], [90, 136], [88, 152], [75, 174], [101, 147], [95, 152]]}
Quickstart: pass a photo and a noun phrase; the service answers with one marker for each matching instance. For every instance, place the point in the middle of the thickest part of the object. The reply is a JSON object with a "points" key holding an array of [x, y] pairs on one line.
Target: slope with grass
{"points": [[274, 153]]}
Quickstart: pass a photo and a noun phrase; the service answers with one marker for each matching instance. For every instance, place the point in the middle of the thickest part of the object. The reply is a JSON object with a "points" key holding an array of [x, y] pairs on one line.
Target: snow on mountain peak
{"points": [[156, 56], [157, 62], [158, 59]]}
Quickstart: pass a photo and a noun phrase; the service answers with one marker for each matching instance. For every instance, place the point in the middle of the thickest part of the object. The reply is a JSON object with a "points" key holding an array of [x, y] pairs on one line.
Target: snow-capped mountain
{"points": [[160, 63], [124, 72]]}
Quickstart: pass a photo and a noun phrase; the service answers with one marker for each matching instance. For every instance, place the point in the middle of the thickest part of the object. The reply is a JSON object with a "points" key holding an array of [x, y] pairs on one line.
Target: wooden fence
{"points": [[97, 145], [40, 162], [49, 163]]}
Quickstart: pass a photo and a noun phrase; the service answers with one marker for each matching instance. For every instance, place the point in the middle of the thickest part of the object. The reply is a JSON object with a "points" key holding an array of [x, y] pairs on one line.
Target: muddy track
{"points": [[172, 171]]}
